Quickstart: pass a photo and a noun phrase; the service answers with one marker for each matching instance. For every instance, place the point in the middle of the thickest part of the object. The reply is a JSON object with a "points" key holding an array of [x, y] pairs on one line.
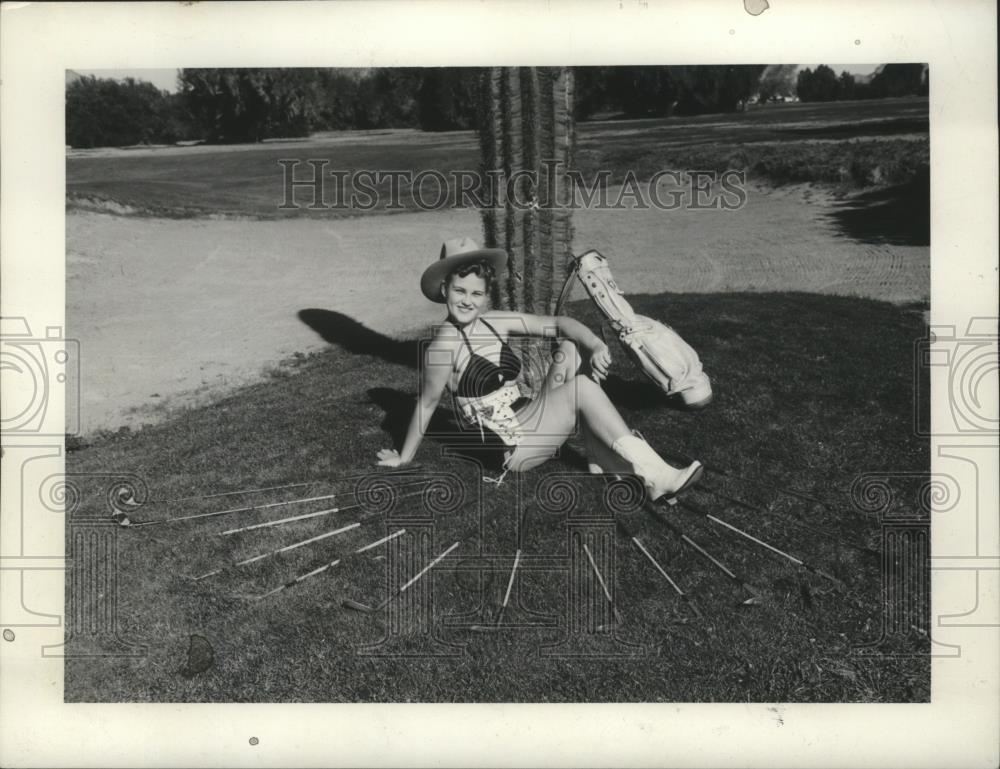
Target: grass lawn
{"points": [[811, 391], [854, 144]]}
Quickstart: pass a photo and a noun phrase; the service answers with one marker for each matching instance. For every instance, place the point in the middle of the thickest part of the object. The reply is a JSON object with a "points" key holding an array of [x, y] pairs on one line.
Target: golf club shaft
{"points": [[600, 579], [216, 513], [634, 538], [684, 596], [797, 561], [506, 598], [510, 582], [285, 549], [351, 604], [270, 505], [645, 552], [318, 513], [428, 567], [231, 493], [796, 520], [700, 550], [325, 567]]}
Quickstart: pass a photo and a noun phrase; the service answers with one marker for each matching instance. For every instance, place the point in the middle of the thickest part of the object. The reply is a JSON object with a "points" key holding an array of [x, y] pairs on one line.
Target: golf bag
{"points": [[657, 349]]}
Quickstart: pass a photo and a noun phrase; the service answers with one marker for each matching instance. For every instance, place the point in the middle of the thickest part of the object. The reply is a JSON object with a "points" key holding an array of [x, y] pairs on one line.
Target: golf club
{"points": [[796, 520], [691, 507], [366, 609], [285, 549], [506, 599], [754, 594], [306, 516], [319, 570], [611, 601]]}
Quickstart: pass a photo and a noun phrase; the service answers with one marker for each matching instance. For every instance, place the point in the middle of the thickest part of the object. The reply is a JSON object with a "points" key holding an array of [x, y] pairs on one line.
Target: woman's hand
{"points": [[600, 361], [389, 458]]}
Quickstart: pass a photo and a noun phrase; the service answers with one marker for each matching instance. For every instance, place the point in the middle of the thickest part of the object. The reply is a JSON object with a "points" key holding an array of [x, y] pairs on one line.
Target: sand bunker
{"points": [[174, 312]]}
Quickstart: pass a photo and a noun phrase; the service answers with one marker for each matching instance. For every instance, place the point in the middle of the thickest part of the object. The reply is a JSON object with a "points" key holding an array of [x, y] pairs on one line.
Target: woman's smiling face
{"points": [[465, 297]]}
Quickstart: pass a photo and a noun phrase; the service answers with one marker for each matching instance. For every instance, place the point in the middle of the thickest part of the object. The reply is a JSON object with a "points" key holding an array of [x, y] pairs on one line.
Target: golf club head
{"points": [[409, 468], [484, 628], [754, 598], [348, 603], [616, 621], [492, 626], [200, 577]]}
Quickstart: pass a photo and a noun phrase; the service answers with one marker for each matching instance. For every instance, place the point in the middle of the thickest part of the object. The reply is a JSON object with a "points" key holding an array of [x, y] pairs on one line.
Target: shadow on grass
{"points": [[398, 407], [339, 329], [453, 437], [342, 330], [641, 394], [814, 392]]}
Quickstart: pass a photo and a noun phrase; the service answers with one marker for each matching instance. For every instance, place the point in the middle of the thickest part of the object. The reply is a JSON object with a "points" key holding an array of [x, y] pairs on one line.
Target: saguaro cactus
{"points": [[527, 139]]}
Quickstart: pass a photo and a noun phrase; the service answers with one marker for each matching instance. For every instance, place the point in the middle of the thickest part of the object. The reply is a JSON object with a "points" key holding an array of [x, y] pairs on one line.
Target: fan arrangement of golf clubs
{"points": [[366, 497], [371, 498]]}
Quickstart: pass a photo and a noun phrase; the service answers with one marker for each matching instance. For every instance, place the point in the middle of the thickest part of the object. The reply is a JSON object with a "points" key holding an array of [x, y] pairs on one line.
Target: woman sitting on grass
{"points": [[483, 381]]}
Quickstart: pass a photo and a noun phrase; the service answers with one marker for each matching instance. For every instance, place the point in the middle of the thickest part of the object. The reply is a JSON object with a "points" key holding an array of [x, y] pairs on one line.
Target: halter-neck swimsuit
{"points": [[482, 376], [489, 397]]}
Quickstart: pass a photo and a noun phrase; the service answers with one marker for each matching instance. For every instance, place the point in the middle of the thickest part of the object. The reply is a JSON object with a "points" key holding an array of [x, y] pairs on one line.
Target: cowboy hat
{"points": [[456, 253]]}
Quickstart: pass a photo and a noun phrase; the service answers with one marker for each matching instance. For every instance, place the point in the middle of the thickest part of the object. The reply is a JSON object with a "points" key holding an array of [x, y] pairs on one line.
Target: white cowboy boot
{"points": [[661, 479], [601, 459]]}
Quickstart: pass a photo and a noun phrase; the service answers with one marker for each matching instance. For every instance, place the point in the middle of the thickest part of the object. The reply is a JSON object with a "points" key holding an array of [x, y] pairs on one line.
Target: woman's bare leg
{"points": [[554, 414], [561, 407], [599, 413], [566, 364], [569, 397]]}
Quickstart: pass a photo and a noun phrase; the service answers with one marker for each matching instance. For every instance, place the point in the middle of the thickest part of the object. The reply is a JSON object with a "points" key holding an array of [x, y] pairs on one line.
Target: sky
{"points": [[166, 79], [854, 69]]}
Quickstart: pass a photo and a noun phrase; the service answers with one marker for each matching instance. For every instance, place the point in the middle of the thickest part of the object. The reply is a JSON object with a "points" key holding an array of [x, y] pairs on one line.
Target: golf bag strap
{"points": [[566, 287]]}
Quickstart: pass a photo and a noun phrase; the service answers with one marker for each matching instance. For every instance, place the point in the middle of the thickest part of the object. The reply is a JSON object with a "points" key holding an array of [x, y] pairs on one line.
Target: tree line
{"points": [[893, 80], [253, 104]]}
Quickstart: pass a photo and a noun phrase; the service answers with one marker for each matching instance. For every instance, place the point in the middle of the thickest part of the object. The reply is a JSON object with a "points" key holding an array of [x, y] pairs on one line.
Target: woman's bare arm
{"points": [[437, 368], [526, 324]]}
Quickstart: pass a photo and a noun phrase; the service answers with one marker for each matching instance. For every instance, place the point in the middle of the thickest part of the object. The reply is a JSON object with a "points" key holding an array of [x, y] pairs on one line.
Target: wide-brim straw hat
{"points": [[456, 253]]}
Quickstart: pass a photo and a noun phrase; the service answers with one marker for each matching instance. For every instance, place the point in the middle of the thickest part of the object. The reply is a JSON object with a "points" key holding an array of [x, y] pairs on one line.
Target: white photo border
{"points": [[958, 41]]}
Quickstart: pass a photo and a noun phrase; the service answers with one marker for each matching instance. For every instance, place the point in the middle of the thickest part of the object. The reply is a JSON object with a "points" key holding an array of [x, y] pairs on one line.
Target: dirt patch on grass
{"points": [[174, 312]]}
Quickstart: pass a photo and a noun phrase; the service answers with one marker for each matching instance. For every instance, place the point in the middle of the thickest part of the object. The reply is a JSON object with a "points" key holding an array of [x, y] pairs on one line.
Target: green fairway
{"points": [[810, 392], [856, 144]]}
